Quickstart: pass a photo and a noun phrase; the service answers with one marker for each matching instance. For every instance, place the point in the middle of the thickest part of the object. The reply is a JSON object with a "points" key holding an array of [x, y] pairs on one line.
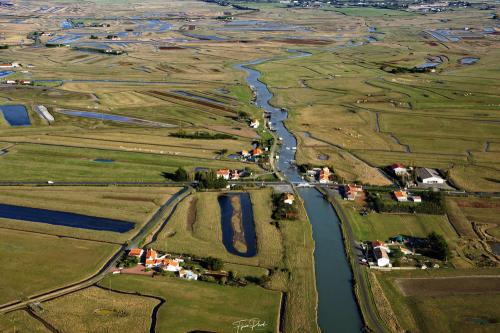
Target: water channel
{"points": [[337, 308]]}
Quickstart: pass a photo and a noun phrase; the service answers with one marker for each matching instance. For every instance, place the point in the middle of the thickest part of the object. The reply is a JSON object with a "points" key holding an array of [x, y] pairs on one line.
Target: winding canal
{"points": [[337, 307]]}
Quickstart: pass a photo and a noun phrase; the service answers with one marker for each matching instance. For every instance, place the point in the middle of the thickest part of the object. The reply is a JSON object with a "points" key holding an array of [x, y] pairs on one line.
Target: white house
{"points": [[381, 256], [289, 198], [255, 123], [429, 176], [10, 65], [416, 198], [399, 169], [188, 275]]}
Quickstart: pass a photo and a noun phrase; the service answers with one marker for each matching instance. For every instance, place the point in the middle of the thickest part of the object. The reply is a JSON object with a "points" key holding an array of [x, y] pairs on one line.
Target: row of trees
{"points": [[201, 135], [206, 180]]}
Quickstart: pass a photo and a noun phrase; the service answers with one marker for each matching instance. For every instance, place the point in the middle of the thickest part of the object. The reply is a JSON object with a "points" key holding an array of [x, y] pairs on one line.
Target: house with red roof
{"points": [[256, 152], [324, 175], [399, 169]]}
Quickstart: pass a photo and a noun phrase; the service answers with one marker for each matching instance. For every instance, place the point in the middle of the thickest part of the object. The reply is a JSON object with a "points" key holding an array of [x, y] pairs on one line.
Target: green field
{"points": [[452, 312], [131, 204], [61, 261], [192, 305]]}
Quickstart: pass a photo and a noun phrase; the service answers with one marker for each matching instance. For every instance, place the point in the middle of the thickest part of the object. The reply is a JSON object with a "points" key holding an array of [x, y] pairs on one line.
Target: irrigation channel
{"points": [[337, 306]]}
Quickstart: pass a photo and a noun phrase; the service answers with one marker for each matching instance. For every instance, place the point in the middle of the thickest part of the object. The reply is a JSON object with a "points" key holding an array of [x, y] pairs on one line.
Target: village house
{"points": [[187, 274], [399, 169], [256, 152], [168, 264], [136, 252], [401, 196], [9, 65], [351, 191], [255, 123], [245, 153], [429, 176], [289, 198], [235, 175], [224, 173], [324, 175], [380, 251], [416, 198]]}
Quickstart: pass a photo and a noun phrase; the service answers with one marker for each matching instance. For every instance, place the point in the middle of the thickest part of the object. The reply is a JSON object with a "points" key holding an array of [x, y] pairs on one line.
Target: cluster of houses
{"points": [[164, 262], [20, 82], [424, 175], [228, 174], [321, 175], [351, 191]]}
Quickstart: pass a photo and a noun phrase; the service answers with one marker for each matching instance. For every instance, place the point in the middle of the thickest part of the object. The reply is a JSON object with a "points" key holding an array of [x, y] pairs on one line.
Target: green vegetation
{"points": [[451, 311], [210, 180], [65, 261], [432, 203], [283, 210], [99, 310], [192, 305], [202, 135]]}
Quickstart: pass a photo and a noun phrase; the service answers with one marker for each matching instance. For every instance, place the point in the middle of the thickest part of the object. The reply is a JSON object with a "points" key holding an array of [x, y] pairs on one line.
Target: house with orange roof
{"points": [[224, 173], [256, 152], [401, 196], [151, 258], [136, 252], [171, 265]]}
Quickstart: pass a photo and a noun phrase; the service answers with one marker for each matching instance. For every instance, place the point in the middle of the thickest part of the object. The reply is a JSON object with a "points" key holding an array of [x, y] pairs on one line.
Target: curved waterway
{"points": [[337, 307]]}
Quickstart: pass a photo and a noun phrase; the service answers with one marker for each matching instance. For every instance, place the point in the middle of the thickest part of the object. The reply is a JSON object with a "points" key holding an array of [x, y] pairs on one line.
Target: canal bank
{"points": [[337, 308]]}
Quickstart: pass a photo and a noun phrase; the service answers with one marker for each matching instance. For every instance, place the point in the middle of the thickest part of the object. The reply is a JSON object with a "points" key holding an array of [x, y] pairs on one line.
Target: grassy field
{"points": [[61, 261], [379, 226], [97, 310], [195, 228], [130, 204], [447, 312], [192, 305]]}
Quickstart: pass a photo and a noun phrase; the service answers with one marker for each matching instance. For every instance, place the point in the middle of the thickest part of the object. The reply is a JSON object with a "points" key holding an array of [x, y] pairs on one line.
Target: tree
{"points": [[181, 175], [214, 264], [439, 246], [208, 180]]}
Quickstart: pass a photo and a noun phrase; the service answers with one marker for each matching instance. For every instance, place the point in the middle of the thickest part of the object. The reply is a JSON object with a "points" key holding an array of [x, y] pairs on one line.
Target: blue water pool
{"points": [[16, 115], [63, 219]]}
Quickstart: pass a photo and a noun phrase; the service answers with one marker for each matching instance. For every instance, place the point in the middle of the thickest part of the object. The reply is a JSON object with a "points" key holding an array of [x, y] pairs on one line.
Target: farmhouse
{"points": [[401, 196], [416, 198], [324, 175], [257, 152], [136, 252], [351, 191], [380, 251], [429, 176], [381, 256], [224, 173], [289, 199], [255, 123], [399, 169], [187, 274]]}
